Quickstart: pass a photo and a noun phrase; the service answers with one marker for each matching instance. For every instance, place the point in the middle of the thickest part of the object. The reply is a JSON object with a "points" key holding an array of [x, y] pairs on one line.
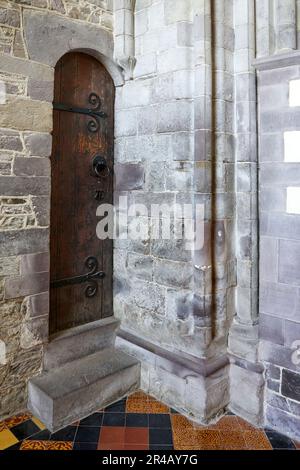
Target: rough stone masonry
{"points": [[209, 334]]}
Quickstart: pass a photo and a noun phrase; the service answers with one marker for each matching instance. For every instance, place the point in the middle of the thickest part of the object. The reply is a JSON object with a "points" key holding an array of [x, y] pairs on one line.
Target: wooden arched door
{"points": [[82, 169]]}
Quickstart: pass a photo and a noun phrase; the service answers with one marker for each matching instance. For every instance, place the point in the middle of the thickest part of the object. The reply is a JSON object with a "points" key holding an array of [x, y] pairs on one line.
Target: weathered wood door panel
{"points": [[82, 84]]}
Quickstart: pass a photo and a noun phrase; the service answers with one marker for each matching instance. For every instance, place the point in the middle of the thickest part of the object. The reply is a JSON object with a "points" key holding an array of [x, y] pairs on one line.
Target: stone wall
{"points": [[25, 147], [280, 241], [260, 344], [186, 132], [277, 41]]}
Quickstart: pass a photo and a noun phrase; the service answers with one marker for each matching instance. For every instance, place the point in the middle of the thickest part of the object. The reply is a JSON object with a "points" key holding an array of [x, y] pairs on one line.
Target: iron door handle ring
{"points": [[100, 167]]}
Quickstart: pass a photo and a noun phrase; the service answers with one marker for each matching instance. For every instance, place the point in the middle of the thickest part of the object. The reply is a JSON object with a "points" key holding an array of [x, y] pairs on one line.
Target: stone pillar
{"points": [[214, 166], [298, 23], [223, 184], [276, 26], [161, 284], [203, 141], [265, 32], [243, 338], [285, 25], [124, 47]]}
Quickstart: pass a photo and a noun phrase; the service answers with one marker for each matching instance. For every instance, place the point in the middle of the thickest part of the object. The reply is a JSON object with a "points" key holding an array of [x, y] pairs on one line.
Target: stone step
{"points": [[74, 343], [80, 388]]}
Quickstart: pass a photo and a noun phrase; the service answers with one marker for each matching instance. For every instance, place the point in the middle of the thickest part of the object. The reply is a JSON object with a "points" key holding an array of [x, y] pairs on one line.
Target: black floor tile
{"points": [[66, 434], [160, 436], [14, 447], [87, 434], [159, 421], [137, 420], [162, 447], [40, 436], [113, 419], [278, 441], [93, 420], [24, 430], [85, 446], [118, 407]]}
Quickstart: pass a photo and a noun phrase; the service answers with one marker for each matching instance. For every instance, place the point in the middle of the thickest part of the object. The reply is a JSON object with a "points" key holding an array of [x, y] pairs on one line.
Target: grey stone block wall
{"points": [[279, 251], [265, 30]]}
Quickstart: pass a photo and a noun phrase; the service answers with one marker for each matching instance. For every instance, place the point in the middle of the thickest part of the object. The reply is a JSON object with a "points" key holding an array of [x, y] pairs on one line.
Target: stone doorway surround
{"points": [[49, 38], [46, 36]]}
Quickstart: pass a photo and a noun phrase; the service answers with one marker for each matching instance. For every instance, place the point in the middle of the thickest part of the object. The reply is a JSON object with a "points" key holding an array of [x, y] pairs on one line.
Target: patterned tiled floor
{"points": [[139, 423]]}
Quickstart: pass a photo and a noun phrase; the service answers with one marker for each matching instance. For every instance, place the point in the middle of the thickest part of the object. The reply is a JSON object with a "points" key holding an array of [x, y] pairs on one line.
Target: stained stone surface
{"points": [[62, 35]]}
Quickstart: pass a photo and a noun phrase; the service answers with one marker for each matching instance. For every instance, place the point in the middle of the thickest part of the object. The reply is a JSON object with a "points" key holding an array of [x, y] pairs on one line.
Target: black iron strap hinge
{"points": [[77, 279], [94, 113], [88, 112], [91, 278]]}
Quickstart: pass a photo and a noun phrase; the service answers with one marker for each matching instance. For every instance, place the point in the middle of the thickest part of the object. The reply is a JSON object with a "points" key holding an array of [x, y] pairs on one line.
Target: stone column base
{"points": [[197, 388], [247, 391], [246, 373]]}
